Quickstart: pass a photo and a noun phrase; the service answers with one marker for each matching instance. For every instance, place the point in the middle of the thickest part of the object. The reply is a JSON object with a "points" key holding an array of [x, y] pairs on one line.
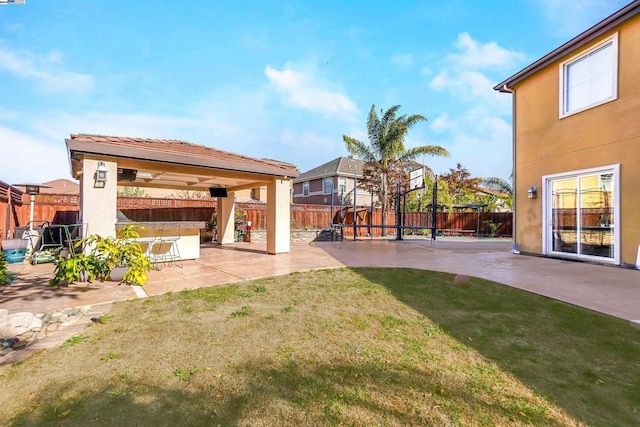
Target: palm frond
{"points": [[373, 128], [390, 115], [429, 150], [359, 149], [498, 184], [413, 119]]}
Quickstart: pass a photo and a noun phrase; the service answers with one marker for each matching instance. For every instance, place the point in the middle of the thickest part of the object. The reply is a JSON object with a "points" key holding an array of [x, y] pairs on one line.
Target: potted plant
{"points": [[125, 257], [71, 269]]}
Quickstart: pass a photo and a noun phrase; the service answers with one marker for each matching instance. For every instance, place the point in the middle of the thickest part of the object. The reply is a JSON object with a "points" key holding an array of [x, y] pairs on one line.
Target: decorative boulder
{"points": [[461, 280]]}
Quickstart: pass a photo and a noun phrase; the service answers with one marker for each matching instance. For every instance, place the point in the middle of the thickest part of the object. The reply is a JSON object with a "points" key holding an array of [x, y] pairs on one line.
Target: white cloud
{"points": [[478, 134], [37, 152], [480, 143], [31, 158], [477, 55], [58, 126], [464, 73], [441, 123], [402, 60], [304, 90], [48, 70], [471, 86], [306, 145]]}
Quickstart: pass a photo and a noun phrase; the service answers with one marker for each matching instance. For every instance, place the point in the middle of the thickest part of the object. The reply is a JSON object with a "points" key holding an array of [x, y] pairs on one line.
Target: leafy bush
{"points": [[492, 226], [102, 255], [4, 276], [122, 251]]}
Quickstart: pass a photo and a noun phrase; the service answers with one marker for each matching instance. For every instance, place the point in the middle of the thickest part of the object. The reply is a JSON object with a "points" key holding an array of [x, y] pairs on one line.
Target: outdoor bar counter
{"points": [[185, 233]]}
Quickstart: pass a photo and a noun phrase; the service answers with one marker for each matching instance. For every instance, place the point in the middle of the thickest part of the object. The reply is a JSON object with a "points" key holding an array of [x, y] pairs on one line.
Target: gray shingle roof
{"points": [[342, 166]]}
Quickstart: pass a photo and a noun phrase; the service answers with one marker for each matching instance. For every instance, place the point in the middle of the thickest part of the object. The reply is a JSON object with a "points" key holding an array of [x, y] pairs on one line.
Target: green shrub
{"points": [[4, 276], [101, 255]]}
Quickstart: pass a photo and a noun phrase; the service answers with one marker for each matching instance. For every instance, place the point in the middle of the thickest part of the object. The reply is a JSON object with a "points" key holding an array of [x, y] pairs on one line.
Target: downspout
{"points": [[515, 249]]}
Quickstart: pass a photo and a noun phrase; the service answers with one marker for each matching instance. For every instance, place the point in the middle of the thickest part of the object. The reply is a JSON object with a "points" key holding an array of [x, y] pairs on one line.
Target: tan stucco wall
{"points": [[98, 205], [278, 216], [604, 135]]}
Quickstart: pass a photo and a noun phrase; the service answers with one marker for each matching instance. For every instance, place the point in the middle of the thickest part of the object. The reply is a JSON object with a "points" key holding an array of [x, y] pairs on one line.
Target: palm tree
{"points": [[385, 151], [498, 184], [501, 185]]}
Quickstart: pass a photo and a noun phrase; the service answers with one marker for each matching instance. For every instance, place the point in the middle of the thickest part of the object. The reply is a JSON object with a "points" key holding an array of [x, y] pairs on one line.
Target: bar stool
{"points": [[165, 248], [148, 236]]}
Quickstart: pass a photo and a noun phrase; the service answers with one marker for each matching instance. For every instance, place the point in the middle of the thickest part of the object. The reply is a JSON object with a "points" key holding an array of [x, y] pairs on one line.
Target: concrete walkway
{"points": [[610, 290], [607, 289]]}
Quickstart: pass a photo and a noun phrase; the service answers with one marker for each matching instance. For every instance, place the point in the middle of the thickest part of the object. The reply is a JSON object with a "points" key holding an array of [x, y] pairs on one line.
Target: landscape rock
{"points": [[35, 325], [461, 280], [16, 344], [20, 330], [15, 324]]}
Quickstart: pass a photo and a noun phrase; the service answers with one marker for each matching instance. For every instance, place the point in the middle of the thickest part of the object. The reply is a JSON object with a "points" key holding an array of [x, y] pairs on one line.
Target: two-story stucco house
{"points": [[576, 145], [330, 183]]}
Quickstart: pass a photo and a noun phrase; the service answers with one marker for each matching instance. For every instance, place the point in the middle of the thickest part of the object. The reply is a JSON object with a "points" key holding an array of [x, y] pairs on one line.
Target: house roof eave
{"points": [[583, 38], [77, 147]]}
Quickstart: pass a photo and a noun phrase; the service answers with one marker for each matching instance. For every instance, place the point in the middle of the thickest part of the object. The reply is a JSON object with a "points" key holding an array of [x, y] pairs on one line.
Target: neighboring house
{"points": [[577, 145], [327, 183], [499, 201], [60, 186]]}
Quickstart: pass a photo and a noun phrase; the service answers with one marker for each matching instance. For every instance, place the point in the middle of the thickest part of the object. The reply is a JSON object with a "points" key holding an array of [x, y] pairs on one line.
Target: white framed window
{"points": [[327, 186], [342, 185], [305, 188], [590, 78]]}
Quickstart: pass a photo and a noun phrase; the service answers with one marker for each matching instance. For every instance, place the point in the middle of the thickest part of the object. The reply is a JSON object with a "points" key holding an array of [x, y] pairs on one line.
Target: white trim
{"points": [[613, 39], [546, 191]]}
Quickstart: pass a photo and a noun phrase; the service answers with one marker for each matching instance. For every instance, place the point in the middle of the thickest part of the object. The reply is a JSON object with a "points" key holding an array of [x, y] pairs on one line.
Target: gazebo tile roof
{"points": [[183, 148]]}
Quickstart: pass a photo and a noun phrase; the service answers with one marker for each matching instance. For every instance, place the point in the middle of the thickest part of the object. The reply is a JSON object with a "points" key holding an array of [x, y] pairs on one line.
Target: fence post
{"points": [[398, 213], [355, 216], [434, 207]]}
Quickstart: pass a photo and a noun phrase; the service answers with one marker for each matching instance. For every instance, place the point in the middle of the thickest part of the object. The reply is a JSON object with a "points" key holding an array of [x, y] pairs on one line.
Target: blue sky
{"points": [[277, 79]]}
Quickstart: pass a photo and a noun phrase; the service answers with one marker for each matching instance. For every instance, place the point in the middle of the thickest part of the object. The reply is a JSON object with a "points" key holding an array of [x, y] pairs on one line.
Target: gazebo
{"points": [[101, 163]]}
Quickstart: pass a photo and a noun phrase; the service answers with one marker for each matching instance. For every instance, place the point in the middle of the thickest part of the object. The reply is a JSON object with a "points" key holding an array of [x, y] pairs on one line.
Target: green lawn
{"points": [[336, 347]]}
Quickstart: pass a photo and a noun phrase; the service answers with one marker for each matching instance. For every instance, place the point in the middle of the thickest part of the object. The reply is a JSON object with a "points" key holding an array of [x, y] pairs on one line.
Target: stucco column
{"points": [[98, 205], [278, 216], [225, 219]]}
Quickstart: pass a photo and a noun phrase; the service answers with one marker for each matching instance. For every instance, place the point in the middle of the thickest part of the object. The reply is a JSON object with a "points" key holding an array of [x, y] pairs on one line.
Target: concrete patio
{"points": [[611, 290]]}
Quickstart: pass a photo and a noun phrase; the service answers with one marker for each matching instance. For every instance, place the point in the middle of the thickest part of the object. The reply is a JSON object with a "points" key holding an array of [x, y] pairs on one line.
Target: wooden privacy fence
{"points": [[475, 223], [63, 209], [302, 216], [10, 203], [55, 208]]}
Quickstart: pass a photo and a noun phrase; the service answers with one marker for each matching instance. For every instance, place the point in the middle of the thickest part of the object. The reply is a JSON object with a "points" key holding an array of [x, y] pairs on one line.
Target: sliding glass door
{"points": [[580, 214]]}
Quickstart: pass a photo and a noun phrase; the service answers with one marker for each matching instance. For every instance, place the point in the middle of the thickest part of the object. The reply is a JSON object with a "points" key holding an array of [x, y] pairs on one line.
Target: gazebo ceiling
{"points": [[175, 164]]}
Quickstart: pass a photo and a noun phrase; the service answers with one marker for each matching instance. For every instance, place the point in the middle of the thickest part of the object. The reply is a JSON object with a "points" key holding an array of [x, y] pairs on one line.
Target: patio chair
{"points": [[44, 238], [148, 238], [73, 233], [164, 249]]}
